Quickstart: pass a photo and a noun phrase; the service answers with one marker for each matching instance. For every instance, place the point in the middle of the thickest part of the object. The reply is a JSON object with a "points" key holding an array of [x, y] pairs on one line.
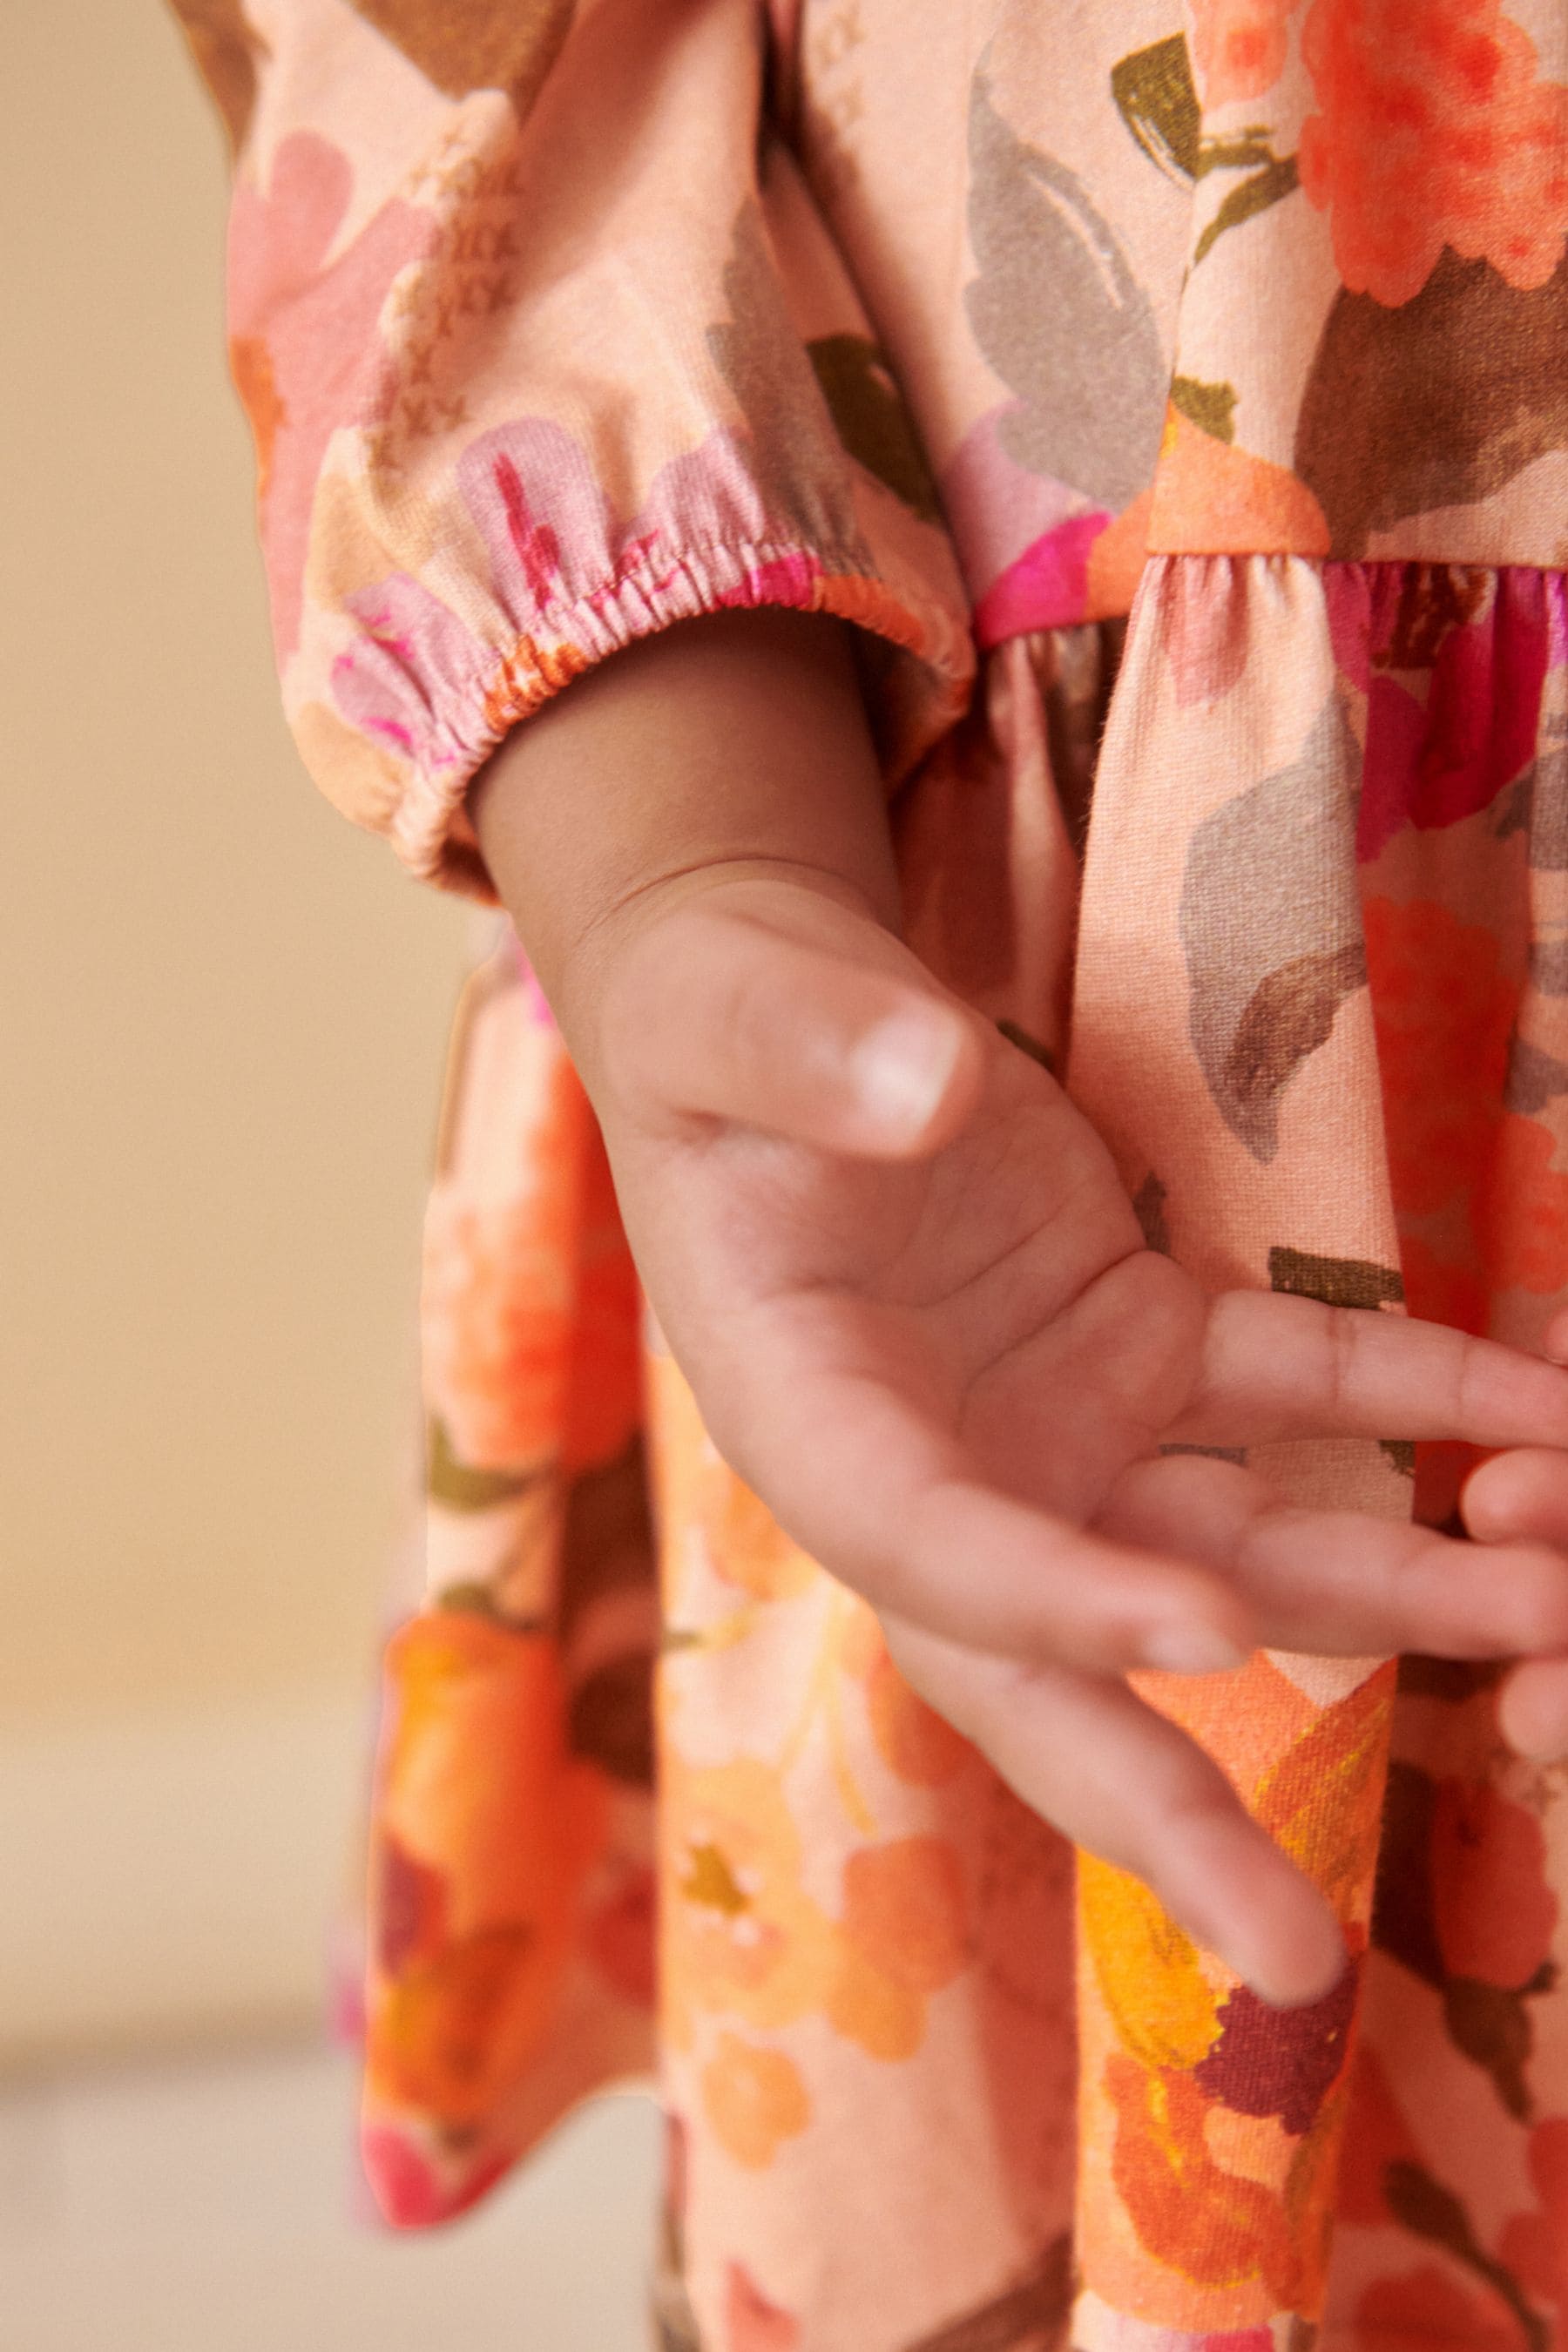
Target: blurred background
{"points": [[222, 1016]]}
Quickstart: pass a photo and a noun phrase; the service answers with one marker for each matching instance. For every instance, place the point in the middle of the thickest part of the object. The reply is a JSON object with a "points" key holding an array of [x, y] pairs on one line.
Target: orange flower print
{"points": [[1239, 47], [496, 1306], [1211, 2226], [1428, 2306], [754, 2099], [913, 1740], [739, 1932], [1521, 1210], [1494, 1908], [604, 1388], [487, 1828], [1433, 130], [904, 1937], [1440, 1292], [1215, 497], [1444, 1012], [745, 1543]]}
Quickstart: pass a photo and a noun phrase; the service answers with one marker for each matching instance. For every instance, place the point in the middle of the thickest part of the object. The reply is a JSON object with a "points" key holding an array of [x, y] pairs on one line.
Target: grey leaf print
{"points": [[1060, 317]]}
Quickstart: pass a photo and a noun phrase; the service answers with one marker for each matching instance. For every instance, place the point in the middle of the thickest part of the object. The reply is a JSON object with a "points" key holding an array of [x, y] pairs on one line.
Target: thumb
{"points": [[774, 1006]]}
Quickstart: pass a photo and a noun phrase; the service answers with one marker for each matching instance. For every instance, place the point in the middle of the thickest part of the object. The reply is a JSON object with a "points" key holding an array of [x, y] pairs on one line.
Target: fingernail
{"points": [[900, 1069], [1188, 1649]]}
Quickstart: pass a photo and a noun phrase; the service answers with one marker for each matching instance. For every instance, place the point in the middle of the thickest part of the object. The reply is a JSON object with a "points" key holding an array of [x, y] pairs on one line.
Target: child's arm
{"points": [[913, 1302]]}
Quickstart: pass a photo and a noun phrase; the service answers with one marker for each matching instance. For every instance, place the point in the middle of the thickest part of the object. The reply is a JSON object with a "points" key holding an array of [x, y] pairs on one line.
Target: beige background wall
{"points": [[221, 1021]]}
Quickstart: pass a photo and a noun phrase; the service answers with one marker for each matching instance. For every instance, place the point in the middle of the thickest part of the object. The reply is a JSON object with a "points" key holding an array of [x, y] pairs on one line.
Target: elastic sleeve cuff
{"points": [[418, 702]]}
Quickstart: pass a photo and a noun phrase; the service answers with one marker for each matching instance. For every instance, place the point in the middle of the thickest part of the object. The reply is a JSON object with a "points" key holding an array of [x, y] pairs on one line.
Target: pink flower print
{"points": [[1434, 762], [1239, 47], [305, 354], [554, 539], [415, 677], [1046, 587], [410, 2194]]}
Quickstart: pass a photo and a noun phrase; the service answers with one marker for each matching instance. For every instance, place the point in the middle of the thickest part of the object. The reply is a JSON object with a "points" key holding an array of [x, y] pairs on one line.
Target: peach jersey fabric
{"points": [[1176, 400]]}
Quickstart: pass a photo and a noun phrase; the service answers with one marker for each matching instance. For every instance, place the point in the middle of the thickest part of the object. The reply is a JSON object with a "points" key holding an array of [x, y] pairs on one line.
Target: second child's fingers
{"points": [[773, 1008], [1532, 1709], [1125, 1784], [1344, 1583], [1520, 1496]]}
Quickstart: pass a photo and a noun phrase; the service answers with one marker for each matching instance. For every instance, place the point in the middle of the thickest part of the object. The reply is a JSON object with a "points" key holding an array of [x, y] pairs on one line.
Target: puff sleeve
{"points": [[545, 346]]}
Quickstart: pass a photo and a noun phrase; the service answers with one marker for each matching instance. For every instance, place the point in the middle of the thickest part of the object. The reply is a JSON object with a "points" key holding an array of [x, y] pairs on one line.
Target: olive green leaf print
{"points": [[1380, 435], [1060, 317], [461, 1488], [871, 419], [795, 449], [1156, 98], [1154, 95], [1276, 177], [1211, 406]]}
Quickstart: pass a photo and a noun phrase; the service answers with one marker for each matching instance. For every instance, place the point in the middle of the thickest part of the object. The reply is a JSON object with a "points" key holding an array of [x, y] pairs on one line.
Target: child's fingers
{"points": [[1532, 1709], [1275, 1366], [1123, 1782], [824, 1039], [1344, 1583], [1520, 1495], [870, 1485]]}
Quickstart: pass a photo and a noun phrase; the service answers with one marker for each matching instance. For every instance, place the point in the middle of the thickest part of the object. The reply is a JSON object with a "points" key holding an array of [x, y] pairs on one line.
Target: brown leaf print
{"points": [[1491, 2025], [1023, 2318], [1436, 404], [1149, 1208], [609, 1719], [1430, 2210], [464, 45], [1270, 924], [607, 1536], [1289, 1015], [1336, 1281], [224, 45], [1454, 1680]]}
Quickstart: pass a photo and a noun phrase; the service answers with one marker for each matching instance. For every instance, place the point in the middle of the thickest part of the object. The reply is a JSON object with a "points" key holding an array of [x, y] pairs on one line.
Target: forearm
{"points": [[723, 745]]}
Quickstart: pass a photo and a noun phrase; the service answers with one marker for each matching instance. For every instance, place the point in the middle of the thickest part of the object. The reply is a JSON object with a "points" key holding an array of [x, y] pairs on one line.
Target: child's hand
{"points": [[912, 1299], [951, 1376]]}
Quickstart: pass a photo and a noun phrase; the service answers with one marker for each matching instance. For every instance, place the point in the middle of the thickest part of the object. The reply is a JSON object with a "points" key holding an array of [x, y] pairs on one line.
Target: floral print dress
{"points": [[1176, 400]]}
